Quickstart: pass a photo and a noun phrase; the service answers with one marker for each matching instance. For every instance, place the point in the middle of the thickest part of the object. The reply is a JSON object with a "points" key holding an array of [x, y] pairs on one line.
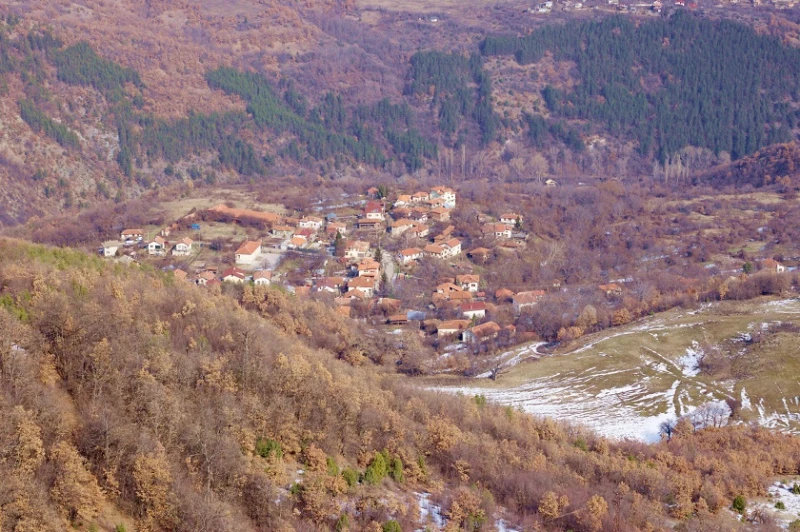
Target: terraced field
{"points": [[626, 381]]}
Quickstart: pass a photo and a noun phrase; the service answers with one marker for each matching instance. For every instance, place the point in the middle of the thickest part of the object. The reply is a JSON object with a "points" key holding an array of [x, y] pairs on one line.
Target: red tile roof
{"points": [[472, 306], [248, 247]]}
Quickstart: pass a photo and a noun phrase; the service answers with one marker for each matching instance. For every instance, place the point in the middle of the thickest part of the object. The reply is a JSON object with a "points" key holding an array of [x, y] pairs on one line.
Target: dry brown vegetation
{"points": [[130, 398]]}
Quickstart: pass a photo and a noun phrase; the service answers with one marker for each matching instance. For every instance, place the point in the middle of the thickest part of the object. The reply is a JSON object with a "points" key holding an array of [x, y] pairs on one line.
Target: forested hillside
{"points": [[669, 83], [778, 164], [132, 401], [449, 78], [87, 119], [279, 123]]}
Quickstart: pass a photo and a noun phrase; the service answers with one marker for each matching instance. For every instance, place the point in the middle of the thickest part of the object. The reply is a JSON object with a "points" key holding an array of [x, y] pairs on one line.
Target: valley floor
{"points": [[624, 382]]}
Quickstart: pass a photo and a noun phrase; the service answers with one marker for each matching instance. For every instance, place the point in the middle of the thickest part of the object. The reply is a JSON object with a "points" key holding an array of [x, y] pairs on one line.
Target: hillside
{"points": [[774, 164], [253, 91], [135, 401], [651, 82]]}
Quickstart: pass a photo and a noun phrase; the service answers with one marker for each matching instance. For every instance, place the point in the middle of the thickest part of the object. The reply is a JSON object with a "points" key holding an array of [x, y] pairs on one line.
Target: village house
{"points": [[436, 251], [311, 222], [180, 274], [419, 214], [183, 248], [497, 230], [419, 230], [444, 235], [419, 197], [461, 296], [356, 249], [397, 319], [135, 235], [434, 203], [365, 285], [611, 289], [482, 333], [524, 300], [233, 275], [440, 214], [248, 252], [452, 247], [262, 277], [401, 212], [772, 265], [447, 288], [504, 295], [479, 253], [369, 225], [468, 282], [372, 192], [373, 210], [389, 305], [510, 218], [369, 268], [550, 183], [331, 285], [409, 255], [109, 248], [158, 246], [473, 309], [297, 242], [357, 294], [336, 227], [402, 200], [399, 227], [451, 328], [283, 231], [308, 234], [204, 277], [446, 194]]}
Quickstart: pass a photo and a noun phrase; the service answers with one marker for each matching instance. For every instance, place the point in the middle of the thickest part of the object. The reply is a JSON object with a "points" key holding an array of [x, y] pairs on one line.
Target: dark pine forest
{"points": [[672, 82]]}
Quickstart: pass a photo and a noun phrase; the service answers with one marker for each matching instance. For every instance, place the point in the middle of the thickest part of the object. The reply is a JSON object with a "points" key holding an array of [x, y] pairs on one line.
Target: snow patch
{"points": [[690, 362], [782, 492], [429, 512], [502, 526]]}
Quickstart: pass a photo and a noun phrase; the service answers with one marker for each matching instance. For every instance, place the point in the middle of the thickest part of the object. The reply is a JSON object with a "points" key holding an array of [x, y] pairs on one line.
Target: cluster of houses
{"points": [[212, 276], [466, 309], [158, 246], [356, 242]]}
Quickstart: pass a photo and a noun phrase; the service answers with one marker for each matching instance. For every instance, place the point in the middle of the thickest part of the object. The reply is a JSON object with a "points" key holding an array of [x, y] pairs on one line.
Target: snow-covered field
{"points": [[625, 383], [611, 412], [781, 492]]}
